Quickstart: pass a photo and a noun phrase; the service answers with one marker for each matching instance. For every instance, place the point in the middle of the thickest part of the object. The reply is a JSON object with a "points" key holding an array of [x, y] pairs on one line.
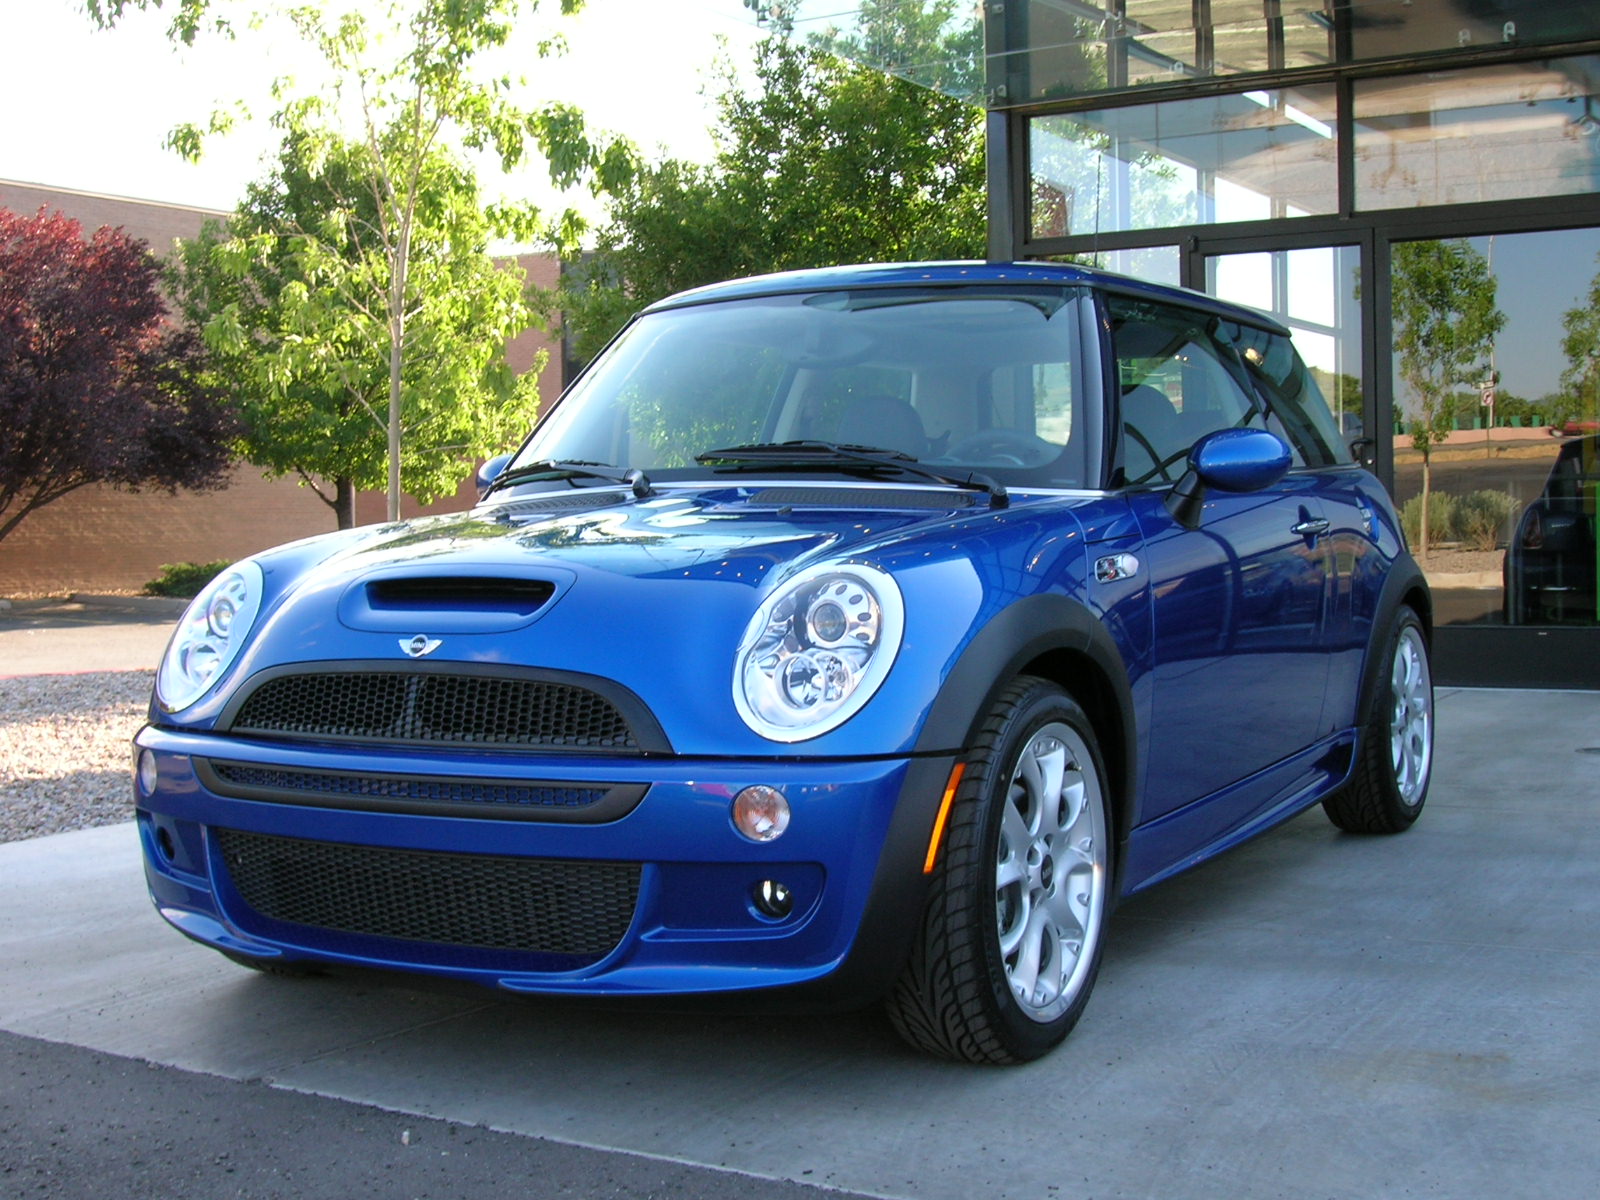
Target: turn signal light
{"points": [[761, 813]]}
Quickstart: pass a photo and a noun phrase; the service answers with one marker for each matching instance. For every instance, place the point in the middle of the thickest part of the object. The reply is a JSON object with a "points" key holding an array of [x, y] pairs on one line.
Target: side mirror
{"points": [[1229, 460], [490, 471]]}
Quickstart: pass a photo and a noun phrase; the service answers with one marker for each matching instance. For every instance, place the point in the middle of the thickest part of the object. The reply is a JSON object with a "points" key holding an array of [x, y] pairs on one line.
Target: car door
{"points": [[1239, 603], [1350, 501]]}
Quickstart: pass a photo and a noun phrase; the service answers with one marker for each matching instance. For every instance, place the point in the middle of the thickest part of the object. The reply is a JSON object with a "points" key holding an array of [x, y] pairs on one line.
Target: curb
{"points": [[151, 604]]}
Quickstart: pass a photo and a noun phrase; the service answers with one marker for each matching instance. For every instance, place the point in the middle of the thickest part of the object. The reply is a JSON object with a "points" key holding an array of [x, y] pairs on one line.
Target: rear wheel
{"points": [[1390, 782], [1010, 940]]}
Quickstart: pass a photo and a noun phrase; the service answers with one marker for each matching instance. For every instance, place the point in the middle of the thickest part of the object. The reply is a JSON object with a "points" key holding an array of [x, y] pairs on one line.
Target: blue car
{"points": [[845, 635]]}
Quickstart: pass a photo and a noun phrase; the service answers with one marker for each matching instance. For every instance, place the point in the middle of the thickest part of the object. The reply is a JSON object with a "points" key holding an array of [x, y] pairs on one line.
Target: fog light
{"points": [[147, 772], [773, 899], [760, 813]]}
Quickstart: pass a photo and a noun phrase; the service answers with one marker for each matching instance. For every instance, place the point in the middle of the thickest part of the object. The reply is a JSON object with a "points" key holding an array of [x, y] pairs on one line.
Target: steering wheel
{"points": [[1009, 447]]}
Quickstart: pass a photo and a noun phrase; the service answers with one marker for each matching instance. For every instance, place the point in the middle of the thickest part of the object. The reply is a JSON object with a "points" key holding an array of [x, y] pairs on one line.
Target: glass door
{"points": [[1496, 375]]}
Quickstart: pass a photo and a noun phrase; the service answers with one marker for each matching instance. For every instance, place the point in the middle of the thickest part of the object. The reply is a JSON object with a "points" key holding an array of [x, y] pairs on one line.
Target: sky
{"points": [[88, 109]]}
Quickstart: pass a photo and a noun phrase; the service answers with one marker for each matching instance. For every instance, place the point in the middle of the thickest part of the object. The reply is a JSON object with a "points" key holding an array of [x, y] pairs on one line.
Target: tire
{"points": [[1010, 940], [1394, 763]]}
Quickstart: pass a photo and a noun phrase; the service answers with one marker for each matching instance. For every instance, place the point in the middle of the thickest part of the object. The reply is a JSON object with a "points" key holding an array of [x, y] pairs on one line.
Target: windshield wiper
{"points": [[811, 455], [636, 479]]}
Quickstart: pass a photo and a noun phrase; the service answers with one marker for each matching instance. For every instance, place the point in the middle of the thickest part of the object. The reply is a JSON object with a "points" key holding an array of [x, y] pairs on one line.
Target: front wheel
{"points": [[1395, 762], [1011, 936]]}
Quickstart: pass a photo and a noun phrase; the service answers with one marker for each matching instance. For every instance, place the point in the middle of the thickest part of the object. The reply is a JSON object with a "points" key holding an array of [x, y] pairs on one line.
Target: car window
{"points": [[856, 405], [1299, 412], [977, 378], [1176, 385]]}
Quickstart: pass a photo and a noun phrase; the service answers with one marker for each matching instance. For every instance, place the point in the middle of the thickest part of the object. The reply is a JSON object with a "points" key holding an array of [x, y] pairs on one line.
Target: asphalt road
{"points": [[1461, 472], [110, 633], [79, 1125]]}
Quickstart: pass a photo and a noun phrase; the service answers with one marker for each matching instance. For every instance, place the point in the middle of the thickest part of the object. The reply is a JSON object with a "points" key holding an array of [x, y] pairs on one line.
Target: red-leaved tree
{"points": [[95, 387]]}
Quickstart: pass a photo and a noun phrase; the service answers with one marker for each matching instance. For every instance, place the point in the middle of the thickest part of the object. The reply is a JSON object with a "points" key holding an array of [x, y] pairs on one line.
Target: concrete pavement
{"points": [[1315, 1014]]}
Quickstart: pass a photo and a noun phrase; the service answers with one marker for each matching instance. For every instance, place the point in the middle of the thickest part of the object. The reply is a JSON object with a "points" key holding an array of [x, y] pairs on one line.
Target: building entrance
{"points": [[1495, 374]]}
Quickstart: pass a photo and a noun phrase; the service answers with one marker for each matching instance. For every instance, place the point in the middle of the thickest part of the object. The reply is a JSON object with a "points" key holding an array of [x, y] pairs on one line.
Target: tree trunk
{"points": [[344, 502], [394, 425], [1427, 479], [399, 269]]}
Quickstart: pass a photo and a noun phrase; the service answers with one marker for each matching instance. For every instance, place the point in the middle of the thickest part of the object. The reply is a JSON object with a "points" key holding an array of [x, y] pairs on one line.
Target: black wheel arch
{"points": [[1058, 639], [1405, 587], [1048, 636]]}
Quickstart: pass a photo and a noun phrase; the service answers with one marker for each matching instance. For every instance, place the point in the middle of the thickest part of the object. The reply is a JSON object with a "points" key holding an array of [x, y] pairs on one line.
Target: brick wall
{"points": [[155, 222], [98, 539]]}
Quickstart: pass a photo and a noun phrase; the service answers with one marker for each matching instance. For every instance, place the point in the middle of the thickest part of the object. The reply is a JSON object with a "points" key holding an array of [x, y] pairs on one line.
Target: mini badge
{"points": [[419, 645]]}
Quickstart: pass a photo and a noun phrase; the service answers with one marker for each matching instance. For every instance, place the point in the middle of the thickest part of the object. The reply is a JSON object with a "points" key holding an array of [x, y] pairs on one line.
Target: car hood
{"points": [[722, 534], [653, 594]]}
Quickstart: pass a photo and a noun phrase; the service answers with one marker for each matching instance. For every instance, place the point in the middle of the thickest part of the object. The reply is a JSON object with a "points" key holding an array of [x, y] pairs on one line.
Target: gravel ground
{"points": [[64, 750], [1452, 560]]}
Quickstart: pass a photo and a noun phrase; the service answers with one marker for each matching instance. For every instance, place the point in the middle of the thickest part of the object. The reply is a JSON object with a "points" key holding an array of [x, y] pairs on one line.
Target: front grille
{"points": [[434, 709], [245, 779], [540, 906]]}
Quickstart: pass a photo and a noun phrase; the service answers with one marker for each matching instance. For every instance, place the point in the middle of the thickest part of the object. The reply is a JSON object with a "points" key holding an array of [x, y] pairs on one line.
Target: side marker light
{"points": [[956, 772]]}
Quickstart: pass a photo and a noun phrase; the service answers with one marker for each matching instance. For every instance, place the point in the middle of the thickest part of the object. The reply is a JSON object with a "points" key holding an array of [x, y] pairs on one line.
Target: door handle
{"points": [[1310, 527]]}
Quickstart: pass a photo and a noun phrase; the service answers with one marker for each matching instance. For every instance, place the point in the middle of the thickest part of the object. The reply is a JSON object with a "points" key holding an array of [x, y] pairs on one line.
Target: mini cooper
{"points": [[840, 636]]}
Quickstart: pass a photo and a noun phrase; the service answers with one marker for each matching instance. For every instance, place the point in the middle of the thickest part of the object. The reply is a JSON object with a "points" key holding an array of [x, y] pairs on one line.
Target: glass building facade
{"points": [[1412, 186]]}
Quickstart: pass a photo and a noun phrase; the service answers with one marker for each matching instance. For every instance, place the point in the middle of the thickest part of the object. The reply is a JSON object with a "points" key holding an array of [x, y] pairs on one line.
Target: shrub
{"points": [[184, 579], [1480, 517], [1441, 519]]}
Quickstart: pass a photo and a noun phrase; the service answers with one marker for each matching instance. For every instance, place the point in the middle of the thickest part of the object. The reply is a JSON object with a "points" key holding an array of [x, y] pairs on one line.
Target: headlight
{"points": [[209, 636], [816, 650]]}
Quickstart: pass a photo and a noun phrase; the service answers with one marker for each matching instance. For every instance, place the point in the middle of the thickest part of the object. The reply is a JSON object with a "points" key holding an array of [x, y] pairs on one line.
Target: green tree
{"points": [[379, 268], [1445, 322], [935, 43], [822, 162], [189, 17], [284, 295], [1581, 344]]}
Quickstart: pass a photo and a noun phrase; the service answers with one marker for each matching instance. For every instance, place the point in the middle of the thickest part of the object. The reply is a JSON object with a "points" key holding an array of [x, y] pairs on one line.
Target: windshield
{"points": [[974, 378]]}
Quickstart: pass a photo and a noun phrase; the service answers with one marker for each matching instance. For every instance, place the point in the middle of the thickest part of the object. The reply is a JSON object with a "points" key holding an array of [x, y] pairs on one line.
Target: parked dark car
{"points": [[1549, 568], [849, 634]]}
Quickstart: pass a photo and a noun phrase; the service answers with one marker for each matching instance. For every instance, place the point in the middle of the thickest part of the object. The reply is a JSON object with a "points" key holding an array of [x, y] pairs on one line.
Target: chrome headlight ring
{"points": [[816, 650], [210, 635]]}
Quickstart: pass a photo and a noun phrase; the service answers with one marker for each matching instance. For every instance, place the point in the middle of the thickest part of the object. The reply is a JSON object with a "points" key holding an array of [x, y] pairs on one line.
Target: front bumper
{"points": [[657, 901]]}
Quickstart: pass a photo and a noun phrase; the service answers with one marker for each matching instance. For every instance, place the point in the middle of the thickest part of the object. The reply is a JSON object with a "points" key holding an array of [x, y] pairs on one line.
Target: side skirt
{"points": [[1224, 819]]}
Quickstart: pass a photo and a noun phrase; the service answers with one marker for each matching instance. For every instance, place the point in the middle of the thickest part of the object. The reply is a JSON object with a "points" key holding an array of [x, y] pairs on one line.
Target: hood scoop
{"points": [[463, 601], [447, 593]]}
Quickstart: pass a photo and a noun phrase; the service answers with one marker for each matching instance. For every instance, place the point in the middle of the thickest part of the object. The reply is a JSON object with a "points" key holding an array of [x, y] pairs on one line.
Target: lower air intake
{"points": [[540, 906]]}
